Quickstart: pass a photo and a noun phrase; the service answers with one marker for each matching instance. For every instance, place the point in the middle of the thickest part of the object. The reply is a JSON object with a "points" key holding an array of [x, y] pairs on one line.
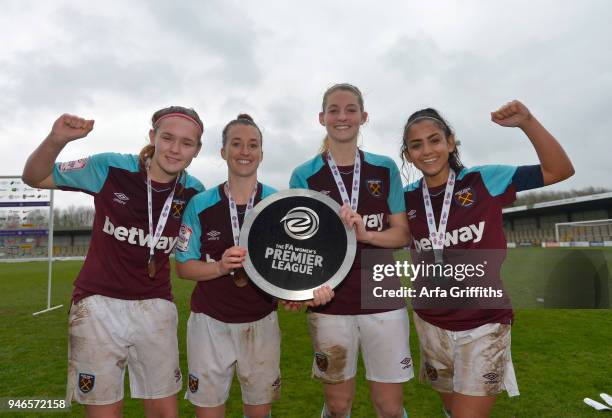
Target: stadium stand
{"points": [[584, 219]]}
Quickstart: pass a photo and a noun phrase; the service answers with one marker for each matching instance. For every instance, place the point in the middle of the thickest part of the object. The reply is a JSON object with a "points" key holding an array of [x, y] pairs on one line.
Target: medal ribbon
{"points": [[438, 235], [163, 217], [234, 212], [354, 200]]}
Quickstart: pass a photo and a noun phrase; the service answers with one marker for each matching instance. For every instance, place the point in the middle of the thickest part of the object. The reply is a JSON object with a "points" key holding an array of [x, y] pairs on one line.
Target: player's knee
{"points": [[257, 411], [339, 406], [389, 410]]}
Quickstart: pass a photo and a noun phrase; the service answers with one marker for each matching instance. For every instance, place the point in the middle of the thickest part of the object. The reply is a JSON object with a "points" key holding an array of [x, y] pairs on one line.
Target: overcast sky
{"points": [[117, 62]]}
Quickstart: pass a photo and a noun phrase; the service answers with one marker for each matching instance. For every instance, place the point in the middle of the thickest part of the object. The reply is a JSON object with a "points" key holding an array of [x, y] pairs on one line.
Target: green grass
{"points": [[560, 356]]}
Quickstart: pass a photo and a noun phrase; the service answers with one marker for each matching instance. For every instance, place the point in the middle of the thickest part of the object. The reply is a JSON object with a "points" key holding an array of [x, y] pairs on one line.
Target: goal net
{"points": [[598, 230]]}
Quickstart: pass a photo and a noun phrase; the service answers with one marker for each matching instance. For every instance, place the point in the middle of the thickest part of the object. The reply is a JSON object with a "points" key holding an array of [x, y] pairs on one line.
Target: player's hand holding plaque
{"points": [[296, 242]]}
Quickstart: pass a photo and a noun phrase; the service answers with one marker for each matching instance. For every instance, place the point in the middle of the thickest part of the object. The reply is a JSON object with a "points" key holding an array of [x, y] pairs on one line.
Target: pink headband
{"points": [[180, 115]]}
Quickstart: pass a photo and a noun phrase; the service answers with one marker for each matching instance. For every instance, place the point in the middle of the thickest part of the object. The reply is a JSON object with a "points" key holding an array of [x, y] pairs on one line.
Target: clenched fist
{"points": [[512, 114], [70, 127]]}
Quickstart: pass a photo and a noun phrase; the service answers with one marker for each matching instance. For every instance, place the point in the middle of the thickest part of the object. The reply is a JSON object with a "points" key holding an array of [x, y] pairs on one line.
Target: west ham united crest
{"points": [[432, 373], [465, 197], [296, 243], [193, 383], [178, 205], [86, 382], [322, 362], [375, 187]]}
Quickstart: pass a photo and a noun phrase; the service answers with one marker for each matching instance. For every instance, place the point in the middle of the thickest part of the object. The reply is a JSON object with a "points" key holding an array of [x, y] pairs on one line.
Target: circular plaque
{"points": [[296, 242]]}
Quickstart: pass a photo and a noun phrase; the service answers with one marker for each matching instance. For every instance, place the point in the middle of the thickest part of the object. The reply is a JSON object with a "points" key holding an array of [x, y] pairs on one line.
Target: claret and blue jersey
{"points": [[205, 234], [380, 195], [474, 222], [116, 263]]}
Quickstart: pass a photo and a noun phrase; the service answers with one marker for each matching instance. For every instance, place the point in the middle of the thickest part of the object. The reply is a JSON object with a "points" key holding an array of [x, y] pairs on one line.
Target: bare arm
{"points": [[396, 236], [38, 169], [200, 271], [556, 166]]}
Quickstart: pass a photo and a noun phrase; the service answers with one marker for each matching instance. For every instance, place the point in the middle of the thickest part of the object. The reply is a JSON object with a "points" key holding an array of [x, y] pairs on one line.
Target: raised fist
{"points": [[512, 114], [70, 127]]}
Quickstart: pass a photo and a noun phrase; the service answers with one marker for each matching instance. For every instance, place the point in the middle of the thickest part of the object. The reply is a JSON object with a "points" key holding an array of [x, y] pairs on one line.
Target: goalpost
{"points": [[597, 230]]}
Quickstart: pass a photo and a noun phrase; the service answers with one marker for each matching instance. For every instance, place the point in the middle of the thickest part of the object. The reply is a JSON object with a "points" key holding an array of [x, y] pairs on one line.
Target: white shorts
{"points": [[475, 362], [108, 334], [383, 338], [215, 348]]}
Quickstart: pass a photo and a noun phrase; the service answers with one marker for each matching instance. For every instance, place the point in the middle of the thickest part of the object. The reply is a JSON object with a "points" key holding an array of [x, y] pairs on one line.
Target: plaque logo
{"points": [[301, 223]]}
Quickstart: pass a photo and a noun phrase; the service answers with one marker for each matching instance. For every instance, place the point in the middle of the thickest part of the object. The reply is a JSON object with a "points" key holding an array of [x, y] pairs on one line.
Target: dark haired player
{"points": [[465, 353]]}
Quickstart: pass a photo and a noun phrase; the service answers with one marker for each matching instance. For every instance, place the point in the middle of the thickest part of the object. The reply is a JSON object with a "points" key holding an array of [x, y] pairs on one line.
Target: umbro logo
{"points": [[325, 192], [491, 377], [412, 214], [120, 198], [406, 363], [213, 235]]}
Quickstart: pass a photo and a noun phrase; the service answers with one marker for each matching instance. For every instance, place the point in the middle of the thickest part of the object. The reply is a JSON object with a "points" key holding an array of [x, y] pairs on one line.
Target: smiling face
{"points": [[342, 116], [428, 148], [242, 150], [177, 142]]}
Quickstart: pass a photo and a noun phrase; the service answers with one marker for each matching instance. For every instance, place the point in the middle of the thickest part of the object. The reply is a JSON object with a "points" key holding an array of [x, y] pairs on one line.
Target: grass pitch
{"points": [[560, 355]]}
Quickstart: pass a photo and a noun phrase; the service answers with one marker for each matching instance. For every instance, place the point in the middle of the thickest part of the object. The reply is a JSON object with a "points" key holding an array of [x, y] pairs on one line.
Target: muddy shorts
{"points": [[382, 337], [106, 335], [475, 362], [215, 349]]}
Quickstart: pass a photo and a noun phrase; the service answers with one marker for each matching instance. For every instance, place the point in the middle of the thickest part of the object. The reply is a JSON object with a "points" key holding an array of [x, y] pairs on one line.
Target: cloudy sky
{"points": [[117, 62]]}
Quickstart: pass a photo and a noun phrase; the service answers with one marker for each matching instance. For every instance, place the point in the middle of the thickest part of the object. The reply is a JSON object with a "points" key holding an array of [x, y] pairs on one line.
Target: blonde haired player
{"points": [[366, 185]]}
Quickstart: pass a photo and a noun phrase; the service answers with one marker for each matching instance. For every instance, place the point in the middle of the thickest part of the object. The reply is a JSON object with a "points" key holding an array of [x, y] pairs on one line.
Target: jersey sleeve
{"points": [[297, 181], [267, 191], [528, 177], [188, 245], [396, 193], [86, 174], [195, 184], [504, 181], [496, 178]]}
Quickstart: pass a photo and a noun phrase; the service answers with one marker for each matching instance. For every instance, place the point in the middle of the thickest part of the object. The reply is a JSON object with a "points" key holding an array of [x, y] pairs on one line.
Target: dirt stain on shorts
{"points": [[77, 343], [494, 356], [337, 362], [121, 363], [81, 313], [276, 389], [144, 305]]}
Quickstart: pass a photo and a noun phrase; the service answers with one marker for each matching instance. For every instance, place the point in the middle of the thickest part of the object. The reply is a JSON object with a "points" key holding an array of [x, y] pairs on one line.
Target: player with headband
{"points": [[369, 188], [122, 314], [465, 353]]}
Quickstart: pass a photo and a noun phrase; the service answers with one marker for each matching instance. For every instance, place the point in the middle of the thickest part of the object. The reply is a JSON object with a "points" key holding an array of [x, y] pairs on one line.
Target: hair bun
{"points": [[245, 116]]}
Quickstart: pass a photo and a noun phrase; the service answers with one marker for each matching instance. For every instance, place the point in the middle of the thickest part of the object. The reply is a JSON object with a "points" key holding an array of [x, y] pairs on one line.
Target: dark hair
{"points": [[433, 115], [149, 149], [241, 119], [339, 87]]}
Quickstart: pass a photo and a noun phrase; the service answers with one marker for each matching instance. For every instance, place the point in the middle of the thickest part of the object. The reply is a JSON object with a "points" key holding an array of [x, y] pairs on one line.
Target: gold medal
{"points": [[151, 269], [240, 277]]}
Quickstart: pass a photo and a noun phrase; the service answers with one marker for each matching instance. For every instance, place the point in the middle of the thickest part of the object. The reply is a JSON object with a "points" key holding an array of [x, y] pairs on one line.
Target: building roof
{"points": [[578, 202]]}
